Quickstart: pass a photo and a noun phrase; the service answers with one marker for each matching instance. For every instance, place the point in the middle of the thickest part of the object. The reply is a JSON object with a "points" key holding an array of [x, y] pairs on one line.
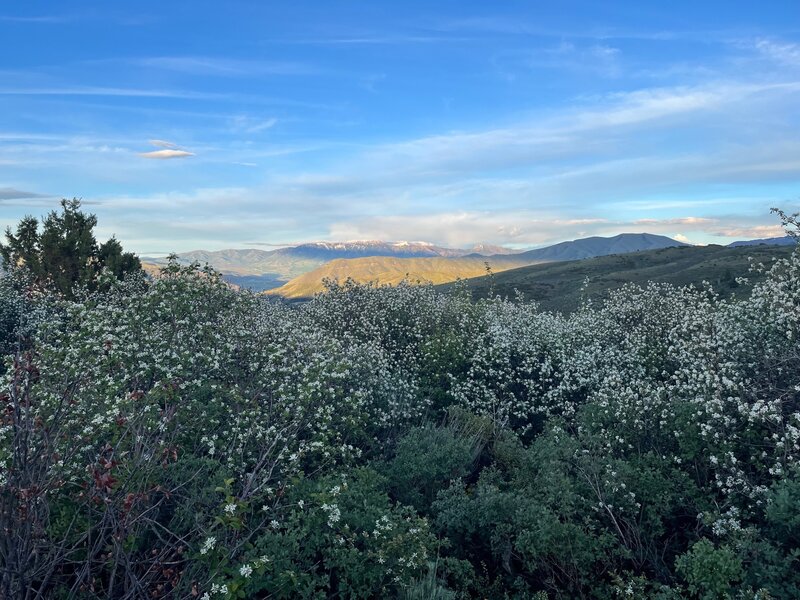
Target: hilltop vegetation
{"points": [[564, 286], [175, 438]]}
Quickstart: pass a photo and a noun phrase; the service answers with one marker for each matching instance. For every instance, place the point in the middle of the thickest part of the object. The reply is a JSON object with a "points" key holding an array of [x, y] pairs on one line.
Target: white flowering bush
{"points": [[176, 438]]}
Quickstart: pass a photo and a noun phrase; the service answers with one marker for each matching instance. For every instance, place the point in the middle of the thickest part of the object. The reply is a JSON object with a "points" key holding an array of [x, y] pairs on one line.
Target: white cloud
{"points": [[684, 221], [531, 228], [752, 232], [169, 150], [217, 218], [166, 154], [463, 228]]}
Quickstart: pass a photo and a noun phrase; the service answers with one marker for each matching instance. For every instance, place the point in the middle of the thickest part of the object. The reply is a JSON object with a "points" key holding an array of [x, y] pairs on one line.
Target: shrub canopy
{"points": [[179, 439]]}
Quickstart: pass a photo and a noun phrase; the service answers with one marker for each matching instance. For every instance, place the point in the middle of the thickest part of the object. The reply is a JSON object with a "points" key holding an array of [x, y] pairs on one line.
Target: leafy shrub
{"points": [[711, 573], [428, 458]]}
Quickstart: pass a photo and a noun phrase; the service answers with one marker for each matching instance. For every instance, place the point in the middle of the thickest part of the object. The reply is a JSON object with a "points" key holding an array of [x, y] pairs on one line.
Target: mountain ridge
{"points": [[262, 270], [390, 271], [267, 269], [786, 240], [593, 246]]}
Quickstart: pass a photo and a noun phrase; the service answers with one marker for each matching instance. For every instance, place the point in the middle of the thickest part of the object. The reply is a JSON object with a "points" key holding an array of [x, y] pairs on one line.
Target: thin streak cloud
{"points": [[163, 144], [9, 193], [110, 91], [225, 67]]}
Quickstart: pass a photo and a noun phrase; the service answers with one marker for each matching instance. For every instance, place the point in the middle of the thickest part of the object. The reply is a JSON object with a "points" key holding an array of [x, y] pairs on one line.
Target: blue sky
{"points": [[213, 125]]}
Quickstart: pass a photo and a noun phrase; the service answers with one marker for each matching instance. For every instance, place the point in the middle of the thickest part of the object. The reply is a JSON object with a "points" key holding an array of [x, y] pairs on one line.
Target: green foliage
{"points": [[64, 255], [341, 538], [711, 573], [428, 458]]}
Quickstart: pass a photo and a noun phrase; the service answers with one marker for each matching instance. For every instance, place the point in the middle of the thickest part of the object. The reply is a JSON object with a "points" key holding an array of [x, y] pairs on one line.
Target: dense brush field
{"points": [[175, 438]]}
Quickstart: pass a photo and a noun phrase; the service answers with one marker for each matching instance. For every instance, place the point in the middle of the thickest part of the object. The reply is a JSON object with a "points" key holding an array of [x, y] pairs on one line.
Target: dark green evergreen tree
{"points": [[65, 255], [112, 257]]}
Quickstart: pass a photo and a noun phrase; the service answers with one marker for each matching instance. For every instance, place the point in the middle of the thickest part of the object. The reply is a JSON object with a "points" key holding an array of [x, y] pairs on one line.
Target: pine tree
{"points": [[65, 255]]}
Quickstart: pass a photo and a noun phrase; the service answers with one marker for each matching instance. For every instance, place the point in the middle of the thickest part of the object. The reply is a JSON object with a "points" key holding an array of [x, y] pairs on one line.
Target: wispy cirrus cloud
{"points": [[586, 58], [110, 91], [34, 18], [163, 144], [611, 112], [224, 67], [245, 124], [547, 158], [377, 39], [510, 26], [783, 52]]}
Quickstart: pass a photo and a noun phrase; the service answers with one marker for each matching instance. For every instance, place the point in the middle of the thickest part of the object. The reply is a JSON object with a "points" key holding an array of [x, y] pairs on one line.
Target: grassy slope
{"points": [[557, 285], [390, 270]]}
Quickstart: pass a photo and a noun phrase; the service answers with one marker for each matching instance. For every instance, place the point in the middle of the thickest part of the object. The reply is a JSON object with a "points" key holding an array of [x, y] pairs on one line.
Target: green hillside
{"points": [[562, 285]]}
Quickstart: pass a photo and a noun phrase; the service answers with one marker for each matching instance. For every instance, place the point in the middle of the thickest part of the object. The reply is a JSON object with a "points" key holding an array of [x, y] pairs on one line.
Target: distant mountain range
{"points": [[390, 270], [262, 270], [265, 269]]}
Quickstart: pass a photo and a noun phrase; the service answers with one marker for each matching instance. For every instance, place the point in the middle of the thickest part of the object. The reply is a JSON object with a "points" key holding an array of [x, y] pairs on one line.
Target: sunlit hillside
{"points": [[391, 271]]}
